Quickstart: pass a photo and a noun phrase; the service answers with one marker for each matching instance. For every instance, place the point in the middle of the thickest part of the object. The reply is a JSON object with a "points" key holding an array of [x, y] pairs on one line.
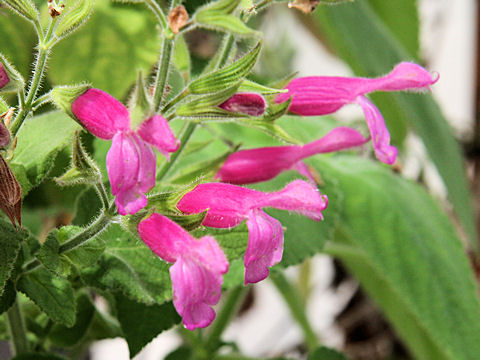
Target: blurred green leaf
{"points": [[142, 323], [128, 42], [324, 353], [129, 266], [405, 252], [63, 336], [54, 295], [226, 22], [371, 49], [40, 139]]}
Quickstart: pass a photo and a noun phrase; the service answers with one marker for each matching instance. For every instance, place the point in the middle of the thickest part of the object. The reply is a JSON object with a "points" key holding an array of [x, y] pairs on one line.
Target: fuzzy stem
{"points": [[95, 228], [185, 135], [163, 69], [17, 330], [229, 309], [295, 303], [41, 100], [157, 10], [225, 49]]}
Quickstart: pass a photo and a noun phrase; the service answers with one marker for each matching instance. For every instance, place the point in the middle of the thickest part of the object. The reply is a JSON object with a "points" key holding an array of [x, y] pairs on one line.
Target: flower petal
{"points": [[265, 246], [301, 197], [147, 165], [246, 103], [101, 113], [379, 132], [123, 162], [130, 200], [404, 76], [339, 138], [157, 132]]}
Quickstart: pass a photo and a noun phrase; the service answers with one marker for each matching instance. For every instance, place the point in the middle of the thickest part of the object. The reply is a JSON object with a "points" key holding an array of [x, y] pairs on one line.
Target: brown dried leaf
{"points": [[306, 6]]}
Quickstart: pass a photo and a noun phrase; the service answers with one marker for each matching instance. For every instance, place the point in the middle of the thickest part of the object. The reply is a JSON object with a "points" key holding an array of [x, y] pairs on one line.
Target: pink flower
{"points": [[261, 164], [4, 79], [131, 161], [228, 205], [321, 95], [198, 266], [245, 102]]}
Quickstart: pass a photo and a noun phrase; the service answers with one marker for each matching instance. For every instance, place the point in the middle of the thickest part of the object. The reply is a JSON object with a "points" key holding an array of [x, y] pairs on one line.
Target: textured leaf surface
{"points": [[128, 266], [128, 42], [142, 323], [84, 255], [371, 50], [10, 243], [40, 139], [407, 255], [54, 295]]}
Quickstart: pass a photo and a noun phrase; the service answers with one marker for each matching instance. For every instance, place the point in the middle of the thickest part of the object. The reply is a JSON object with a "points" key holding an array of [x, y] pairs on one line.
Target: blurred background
{"points": [[341, 315]]}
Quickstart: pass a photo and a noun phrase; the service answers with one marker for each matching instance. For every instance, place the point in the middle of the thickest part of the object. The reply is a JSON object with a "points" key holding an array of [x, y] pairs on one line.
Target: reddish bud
{"points": [[177, 18], [4, 79], [10, 194]]}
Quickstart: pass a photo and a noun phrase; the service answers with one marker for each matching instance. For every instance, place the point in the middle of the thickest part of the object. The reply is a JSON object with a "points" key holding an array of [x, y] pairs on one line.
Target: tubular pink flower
{"points": [[4, 79], [228, 205], [131, 161], [197, 270], [321, 95], [261, 164], [245, 102]]}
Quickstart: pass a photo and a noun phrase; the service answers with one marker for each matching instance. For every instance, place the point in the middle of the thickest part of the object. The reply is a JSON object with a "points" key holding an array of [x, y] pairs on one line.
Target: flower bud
{"points": [[10, 78], [25, 8], [10, 194], [74, 17], [64, 96], [177, 18], [246, 103]]}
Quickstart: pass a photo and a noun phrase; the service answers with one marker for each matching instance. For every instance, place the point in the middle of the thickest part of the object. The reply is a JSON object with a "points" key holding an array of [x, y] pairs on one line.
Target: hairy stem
{"points": [[16, 326], [295, 303], [229, 309], [158, 12], [163, 70]]}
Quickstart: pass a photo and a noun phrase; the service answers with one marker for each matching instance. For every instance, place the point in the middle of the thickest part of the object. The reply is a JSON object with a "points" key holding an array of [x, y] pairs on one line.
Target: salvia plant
{"points": [[142, 176]]}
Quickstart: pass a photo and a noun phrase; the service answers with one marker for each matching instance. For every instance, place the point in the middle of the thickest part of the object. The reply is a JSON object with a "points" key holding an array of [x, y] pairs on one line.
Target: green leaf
{"points": [[130, 267], [86, 254], [251, 86], [181, 57], [110, 62], [222, 6], [324, 353], [40, 139], [50, 258], [87, 207], [371, 49], [10, 243], [8, 297], [401, 17], [142, 323], [54, 295], [63, 336], [407, 255], [226, 77], [225, 22]]}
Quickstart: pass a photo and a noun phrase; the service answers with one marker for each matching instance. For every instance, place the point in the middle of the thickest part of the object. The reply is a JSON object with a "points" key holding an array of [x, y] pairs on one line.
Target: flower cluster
{"points": [[199, 264]]}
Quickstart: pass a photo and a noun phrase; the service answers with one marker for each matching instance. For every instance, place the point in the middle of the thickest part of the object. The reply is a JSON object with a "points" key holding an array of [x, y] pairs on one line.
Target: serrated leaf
{"points": [[40, 139], [21, 175], [142, 323], [50, 258], [8, 297], [226, 77], [109, 62], [130, 267], [63, 336], [371, 49], [54, 295], [10, 243], [86, 254], [225, 22], [407, 255]]}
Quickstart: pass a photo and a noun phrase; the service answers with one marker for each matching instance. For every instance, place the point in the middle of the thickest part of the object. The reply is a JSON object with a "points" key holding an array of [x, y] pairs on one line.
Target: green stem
{"points": [[102, 193], [225, 50], [157, 10], [229, 309], [95, 228], [295, 303], [41, 100], [34, 85], [163, 70], [185, 135], [16, 326]]}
